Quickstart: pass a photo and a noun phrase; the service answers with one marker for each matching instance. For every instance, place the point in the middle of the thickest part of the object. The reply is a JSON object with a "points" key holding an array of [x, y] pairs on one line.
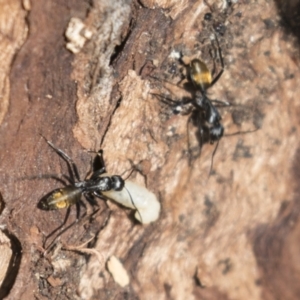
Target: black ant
{"points": [[71, 194], [103, 186], [207, 113], [204, 114]]}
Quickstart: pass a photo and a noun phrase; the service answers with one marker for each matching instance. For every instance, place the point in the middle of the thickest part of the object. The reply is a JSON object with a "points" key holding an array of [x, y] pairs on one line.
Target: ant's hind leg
{"points": [[59, 228], [194, 151], [70, 163], [78, 209], [212, 159], [91, 200]]}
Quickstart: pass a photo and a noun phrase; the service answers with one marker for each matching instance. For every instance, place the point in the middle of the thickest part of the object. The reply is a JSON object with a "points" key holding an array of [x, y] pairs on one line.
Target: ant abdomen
{"points": [[61, 198], [200, 75]]}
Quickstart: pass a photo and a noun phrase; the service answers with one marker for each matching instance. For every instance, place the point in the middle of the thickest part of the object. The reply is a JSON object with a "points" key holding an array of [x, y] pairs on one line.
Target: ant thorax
{"points": [[102, 182]]}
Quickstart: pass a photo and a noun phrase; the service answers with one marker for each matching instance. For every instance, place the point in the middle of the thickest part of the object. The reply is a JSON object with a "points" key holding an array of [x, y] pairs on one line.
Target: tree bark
{"points": [[232, 235]]}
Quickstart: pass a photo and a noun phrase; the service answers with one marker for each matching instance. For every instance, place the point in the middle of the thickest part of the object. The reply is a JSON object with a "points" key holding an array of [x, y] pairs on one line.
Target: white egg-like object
{"points": [[136, 197]]}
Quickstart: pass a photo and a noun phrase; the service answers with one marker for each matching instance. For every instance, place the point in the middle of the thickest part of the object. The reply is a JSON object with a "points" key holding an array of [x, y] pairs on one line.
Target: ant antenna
{"points": [[212, 158]]}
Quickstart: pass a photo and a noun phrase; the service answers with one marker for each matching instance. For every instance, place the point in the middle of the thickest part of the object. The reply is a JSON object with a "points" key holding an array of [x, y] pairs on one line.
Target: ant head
{"points": [[117, 183]]}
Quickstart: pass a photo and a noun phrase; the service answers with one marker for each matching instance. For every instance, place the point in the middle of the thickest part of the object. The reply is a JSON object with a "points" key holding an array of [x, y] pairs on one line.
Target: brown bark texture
{"points": [[232, 235]]}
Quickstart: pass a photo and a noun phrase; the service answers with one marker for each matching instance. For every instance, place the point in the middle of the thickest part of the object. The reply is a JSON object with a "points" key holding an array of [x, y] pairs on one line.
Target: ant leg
{"points": [[172, 102], [165, 100], [221, 103], [221, 61], [214, 61], [69, 179], [182, 103], [241, 132], [84, 218], [99, 161], [63, 230], [78, 210], [57, 229], [188, 140], [91, 200], [99, 172], [212, 158], [100, 155], [46, 176], [70, 163], [81, 248], [199, 136], [68, 159]]}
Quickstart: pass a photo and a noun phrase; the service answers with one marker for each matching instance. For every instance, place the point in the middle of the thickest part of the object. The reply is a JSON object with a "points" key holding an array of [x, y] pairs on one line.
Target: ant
{"points": [[204, 113], [207, 113], [71, 194], [103, 186]]}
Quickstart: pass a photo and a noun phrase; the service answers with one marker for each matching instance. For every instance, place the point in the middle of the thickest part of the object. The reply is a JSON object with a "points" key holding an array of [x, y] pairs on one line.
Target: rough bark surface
{"points": [[234, 235]]}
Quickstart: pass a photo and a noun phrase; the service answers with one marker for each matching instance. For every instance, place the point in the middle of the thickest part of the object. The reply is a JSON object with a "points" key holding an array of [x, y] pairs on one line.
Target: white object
{"points": [[77, 33], [118, 272], [137, 197]]}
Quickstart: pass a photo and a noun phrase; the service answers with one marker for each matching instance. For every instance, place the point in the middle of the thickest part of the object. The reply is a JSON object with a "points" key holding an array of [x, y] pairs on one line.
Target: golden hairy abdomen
{"points": [[200, 74], [63, 197]]}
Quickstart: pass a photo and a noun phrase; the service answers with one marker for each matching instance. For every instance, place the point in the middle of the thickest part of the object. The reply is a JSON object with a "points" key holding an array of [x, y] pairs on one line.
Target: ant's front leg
{"points": [[173, 103], [221, 103]]}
